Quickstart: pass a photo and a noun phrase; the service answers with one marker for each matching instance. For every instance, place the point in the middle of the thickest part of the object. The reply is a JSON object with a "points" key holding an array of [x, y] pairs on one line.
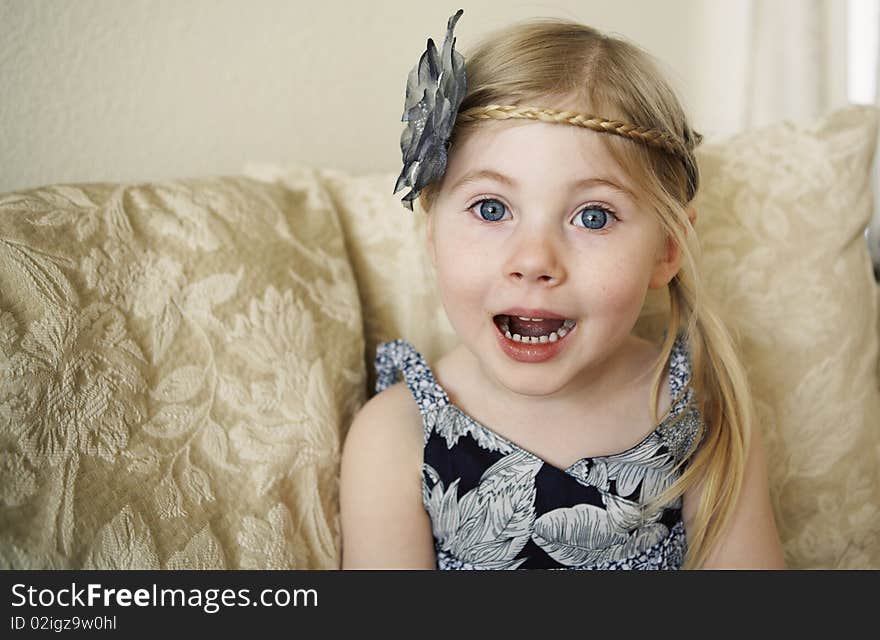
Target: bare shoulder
{"points": [[384, 524], [751, 540], [388, 419]]}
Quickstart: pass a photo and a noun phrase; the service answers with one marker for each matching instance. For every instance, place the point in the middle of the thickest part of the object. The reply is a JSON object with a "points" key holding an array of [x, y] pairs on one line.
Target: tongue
{"points": [[530, 328]]}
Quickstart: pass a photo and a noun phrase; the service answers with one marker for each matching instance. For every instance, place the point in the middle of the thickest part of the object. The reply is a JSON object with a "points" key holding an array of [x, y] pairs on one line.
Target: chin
{"points": [[534, 383]]}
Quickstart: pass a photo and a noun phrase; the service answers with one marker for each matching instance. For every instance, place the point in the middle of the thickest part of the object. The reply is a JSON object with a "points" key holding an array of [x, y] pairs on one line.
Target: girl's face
{"points": [[538, 216]]}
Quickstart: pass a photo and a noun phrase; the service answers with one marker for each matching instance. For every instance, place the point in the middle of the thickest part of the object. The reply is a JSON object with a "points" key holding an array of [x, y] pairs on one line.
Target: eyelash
{"points": [[608, 212]]}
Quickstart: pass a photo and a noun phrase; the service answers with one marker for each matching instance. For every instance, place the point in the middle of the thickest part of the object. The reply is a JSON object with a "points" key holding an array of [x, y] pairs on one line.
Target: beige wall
{"points": [[99, 90]]}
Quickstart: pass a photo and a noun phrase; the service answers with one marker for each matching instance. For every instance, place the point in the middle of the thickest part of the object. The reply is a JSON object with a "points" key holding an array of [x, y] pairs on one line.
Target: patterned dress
{"points": [[494, 505]]}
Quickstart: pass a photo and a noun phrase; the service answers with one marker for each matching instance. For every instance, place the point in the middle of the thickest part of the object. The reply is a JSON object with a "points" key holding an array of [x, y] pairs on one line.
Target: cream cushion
{"points": [[385, 242], [782, 212], [386, 245], [175, 362]]}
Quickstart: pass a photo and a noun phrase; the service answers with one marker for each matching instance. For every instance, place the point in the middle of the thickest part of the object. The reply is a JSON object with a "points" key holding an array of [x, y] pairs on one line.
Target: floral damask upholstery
{"points": [[179, 361], [175, 362]]}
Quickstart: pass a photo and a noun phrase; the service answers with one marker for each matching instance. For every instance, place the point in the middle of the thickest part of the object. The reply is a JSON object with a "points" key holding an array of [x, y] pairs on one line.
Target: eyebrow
{"points": [[489, 174]]}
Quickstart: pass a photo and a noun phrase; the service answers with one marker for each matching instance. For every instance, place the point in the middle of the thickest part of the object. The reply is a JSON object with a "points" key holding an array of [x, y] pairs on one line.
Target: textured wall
{"points": [[97, 90]]}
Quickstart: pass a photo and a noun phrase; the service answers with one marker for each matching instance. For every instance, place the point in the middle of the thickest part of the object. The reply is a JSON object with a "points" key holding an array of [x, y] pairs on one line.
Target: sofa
{"points": [[180, 360]]}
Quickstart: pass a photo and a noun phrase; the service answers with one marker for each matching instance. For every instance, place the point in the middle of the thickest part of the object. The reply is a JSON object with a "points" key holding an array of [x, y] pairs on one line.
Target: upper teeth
{"points": [[531, 319]]}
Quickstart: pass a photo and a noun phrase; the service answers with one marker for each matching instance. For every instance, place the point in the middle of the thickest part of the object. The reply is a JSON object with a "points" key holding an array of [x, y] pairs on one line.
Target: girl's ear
{"points": [[668, 261]]}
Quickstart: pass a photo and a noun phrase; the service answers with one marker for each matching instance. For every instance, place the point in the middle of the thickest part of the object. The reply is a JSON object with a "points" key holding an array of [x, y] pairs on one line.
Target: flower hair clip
{"points": [[434, 91]]}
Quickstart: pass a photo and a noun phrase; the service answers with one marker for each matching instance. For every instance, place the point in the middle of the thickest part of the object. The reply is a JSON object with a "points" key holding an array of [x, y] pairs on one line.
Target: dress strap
{"points": [[683, 427], [401, 356], [680, 373]]}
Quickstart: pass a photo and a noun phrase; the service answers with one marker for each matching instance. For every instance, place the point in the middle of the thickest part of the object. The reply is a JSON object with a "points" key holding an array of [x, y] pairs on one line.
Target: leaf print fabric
{"points": [[491, 523], [494, 505], [582, 534]]}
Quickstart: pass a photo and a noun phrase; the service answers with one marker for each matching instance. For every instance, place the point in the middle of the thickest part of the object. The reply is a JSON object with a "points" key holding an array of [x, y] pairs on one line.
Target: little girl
{"points": [[557, 172]]}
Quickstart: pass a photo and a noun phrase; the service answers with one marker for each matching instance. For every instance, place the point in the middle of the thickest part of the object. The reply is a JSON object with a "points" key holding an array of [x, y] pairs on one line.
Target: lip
{"points": [[531, 353], [531, 313]]}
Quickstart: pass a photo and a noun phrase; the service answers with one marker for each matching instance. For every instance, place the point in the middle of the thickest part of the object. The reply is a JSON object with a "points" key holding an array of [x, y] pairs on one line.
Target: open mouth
{"points": [[533, 330]]}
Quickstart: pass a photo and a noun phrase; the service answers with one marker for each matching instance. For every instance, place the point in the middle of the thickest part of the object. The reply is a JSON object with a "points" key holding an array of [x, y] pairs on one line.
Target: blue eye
{"points": [[595, 217], [491, 210]]}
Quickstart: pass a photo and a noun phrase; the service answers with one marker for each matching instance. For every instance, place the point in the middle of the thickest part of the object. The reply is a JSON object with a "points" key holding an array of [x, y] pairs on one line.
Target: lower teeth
{"points": [[553, 337], [567, 326]]}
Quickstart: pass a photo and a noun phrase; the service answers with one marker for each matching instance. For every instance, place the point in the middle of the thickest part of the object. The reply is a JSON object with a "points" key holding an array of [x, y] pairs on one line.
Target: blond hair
{"points": [[544, 62]]}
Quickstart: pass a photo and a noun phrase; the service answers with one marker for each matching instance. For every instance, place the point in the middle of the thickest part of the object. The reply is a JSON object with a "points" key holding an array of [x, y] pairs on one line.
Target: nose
{"points": [[535, 256]]}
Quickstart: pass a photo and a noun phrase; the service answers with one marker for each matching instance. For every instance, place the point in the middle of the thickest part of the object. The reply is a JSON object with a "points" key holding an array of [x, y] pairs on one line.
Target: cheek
{"points": [[461, 268], [624, 283]]}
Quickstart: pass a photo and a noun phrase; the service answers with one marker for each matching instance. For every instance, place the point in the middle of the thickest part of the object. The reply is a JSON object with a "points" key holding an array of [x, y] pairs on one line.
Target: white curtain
{"points": [[864, 68], [873, 232], [874, 228], [797, 60], [802, 64]]}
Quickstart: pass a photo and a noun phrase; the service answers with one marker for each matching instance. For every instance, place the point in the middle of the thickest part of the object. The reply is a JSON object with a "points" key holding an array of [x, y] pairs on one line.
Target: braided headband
{"points": [[435, 89], [652, 137]]}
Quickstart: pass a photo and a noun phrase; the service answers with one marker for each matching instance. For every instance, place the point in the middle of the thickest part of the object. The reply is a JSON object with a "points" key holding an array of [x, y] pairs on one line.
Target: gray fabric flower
{"points": [[434, 91]]}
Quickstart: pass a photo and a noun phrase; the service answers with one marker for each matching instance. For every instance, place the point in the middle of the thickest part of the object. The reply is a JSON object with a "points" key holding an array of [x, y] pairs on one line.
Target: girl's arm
{"points": [[384, 524], [751, 540]]}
